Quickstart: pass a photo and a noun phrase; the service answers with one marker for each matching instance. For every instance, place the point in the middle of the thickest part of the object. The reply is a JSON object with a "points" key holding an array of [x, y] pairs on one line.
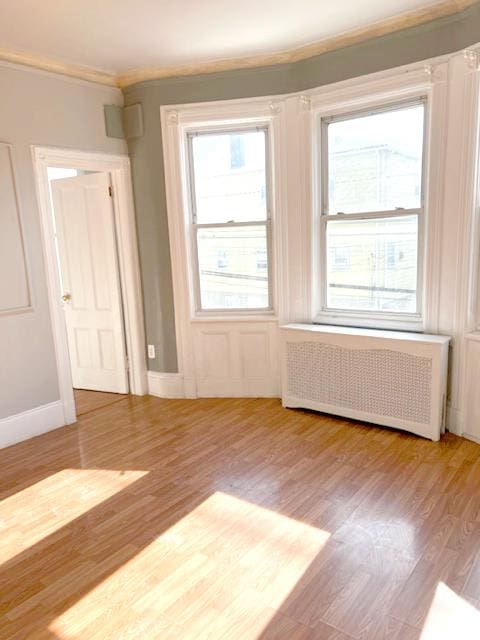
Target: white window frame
{"points": [[357, 100], [194, 226], [325, 216]]}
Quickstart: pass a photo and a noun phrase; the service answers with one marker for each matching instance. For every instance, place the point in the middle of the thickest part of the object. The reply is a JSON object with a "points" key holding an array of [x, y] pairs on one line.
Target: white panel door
{"points": [[90, 282]]}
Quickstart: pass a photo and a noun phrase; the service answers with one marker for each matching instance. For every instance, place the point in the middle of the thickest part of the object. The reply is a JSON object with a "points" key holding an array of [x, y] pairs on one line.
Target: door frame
{"points": [[118, 166]]}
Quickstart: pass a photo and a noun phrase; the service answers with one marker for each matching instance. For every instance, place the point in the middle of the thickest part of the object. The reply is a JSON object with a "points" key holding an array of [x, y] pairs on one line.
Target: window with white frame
{"points": [[230, 209], [372, 211]]}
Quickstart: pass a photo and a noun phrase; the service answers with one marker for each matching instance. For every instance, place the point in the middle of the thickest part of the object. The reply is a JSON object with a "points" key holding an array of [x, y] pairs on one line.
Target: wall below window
{"points": [[419, 43], [42, 109]]}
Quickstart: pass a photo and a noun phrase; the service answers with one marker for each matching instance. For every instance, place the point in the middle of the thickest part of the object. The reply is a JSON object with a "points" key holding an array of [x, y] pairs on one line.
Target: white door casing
{"points": [[88, 259], [118, 167]]}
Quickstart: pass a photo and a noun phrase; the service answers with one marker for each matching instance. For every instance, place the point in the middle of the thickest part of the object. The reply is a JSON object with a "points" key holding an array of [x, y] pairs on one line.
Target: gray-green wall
{"points": [[38, 108], [410, 45]]}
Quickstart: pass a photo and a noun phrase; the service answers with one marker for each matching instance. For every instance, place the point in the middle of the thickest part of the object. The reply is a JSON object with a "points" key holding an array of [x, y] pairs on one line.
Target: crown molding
{"points": [[385, 27], [123, 80], [56, 66]]}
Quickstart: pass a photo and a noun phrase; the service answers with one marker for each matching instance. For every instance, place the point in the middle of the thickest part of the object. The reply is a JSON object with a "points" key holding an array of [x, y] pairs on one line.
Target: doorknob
{"points": [[66, 297]]}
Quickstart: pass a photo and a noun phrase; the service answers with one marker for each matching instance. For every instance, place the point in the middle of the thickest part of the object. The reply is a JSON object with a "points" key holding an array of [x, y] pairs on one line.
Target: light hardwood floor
{"points": [[237, 520], [86, 401]]}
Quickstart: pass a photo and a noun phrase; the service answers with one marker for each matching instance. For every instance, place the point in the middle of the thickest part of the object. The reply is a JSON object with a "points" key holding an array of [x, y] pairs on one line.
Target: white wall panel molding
{"points": [[471, 392], [455, 421], [294, 265], [15, 290], [472, 56], [469, 358], [435, 169], [236, 360], [460, 236], [31, 423], [173, 153]]}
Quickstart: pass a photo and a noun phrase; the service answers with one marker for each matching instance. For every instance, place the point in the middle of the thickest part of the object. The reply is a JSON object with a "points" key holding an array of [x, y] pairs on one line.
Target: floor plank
{"points": [[86, 401], [238, 519]]}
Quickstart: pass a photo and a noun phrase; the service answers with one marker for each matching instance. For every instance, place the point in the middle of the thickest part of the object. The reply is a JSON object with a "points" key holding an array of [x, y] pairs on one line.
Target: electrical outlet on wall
{"points": [[151, 351]]}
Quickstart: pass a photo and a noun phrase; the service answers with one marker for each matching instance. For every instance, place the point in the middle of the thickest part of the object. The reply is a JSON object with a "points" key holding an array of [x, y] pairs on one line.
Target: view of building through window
{"points": [[230, 219], [372, 202], [374, 165], [372, 264]]}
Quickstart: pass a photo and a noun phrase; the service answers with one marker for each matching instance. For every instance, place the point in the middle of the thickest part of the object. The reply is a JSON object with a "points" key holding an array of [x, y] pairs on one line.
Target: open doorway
{"points": [[87, 257], [93, 275]]}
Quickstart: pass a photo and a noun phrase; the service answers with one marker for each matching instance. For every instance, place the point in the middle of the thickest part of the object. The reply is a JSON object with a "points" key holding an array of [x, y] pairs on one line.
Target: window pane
{"points": [[232, 264], [230, 177], [375, 161], [372, 264]]}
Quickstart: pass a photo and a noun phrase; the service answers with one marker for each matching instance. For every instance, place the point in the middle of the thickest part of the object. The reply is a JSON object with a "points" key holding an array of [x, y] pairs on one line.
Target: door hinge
{"points": [[110, 192]]}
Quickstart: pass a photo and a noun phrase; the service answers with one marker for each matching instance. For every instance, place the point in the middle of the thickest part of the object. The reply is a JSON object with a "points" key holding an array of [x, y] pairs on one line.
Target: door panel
{"points": [[87, 252]]}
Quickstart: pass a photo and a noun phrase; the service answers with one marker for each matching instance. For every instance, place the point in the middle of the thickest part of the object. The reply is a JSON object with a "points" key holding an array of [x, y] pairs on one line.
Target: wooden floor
{"points": [[86, 401], [237, 520]]}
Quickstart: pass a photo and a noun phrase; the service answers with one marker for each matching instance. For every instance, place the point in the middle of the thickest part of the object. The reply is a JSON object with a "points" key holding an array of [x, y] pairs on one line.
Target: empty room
{"points": [[240, 320]]}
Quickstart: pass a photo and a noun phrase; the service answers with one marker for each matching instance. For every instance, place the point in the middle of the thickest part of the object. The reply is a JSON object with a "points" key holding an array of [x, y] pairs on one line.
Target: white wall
{"points": [[39, 108]]}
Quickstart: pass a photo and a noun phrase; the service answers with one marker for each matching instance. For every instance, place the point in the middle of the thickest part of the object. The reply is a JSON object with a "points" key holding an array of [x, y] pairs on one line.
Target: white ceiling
{"points": [[118, 35]]}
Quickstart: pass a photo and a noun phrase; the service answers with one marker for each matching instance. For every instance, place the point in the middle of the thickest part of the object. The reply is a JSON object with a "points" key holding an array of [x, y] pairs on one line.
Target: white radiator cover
{"points": [[390, 378]]}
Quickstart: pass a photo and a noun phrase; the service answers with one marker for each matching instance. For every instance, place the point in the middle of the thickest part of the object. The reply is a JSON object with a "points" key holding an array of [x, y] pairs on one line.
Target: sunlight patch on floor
{"points": [[219, 572], [450, 616], [33, 514]]}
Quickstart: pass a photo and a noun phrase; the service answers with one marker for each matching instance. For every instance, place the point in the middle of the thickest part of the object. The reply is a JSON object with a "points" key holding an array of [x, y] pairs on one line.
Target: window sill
{"points": [[263, 316], [412, 323]]}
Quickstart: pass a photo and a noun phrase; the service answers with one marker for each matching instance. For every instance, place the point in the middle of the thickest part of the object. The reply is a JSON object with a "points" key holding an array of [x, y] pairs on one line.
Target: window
{"points": [[230, 219], [237, 152], [341, 258], [262, 262], [222, 259], [373, 210]]}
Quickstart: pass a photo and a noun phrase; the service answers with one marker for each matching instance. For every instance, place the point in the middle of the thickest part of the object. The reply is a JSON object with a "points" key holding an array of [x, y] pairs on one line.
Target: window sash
{"points": [[227, 131], [352, 115], [196, 267], [367, 313]]}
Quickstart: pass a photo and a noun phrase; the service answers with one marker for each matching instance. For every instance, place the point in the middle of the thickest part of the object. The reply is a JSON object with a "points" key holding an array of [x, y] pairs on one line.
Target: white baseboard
{"points": [[31, 423], [165, 385], [472, 438]]}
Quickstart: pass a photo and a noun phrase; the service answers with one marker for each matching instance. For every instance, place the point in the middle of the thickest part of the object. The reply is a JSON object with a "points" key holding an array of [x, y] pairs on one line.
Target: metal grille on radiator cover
{"points": [[376, 381]]}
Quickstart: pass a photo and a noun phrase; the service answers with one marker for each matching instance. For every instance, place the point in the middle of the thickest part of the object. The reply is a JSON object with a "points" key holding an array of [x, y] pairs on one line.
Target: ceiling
{"points": [[113, 37]]}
